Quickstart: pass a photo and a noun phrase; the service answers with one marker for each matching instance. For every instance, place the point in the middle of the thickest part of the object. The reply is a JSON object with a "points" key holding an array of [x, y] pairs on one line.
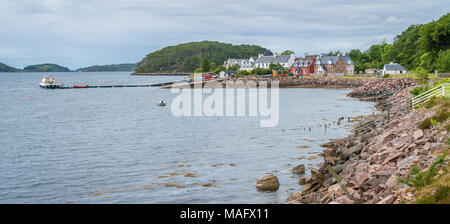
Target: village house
{"points": [[232, 62], [371, 71], [226, 73], [303, 66], [393, 68], [334, 66], [284, 60], [244, 64]]}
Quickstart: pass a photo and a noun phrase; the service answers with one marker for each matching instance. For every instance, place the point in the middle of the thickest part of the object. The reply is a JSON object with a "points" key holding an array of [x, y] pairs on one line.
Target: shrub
{"points": [[431, 103], [242, 73], [418, 178], [385, 76], [442, 116], [419, 90], [425, 124]]}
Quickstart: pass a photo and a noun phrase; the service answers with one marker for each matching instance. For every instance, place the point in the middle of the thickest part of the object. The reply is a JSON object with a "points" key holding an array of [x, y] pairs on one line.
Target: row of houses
{"points": [[317, 65], [306, 65]]}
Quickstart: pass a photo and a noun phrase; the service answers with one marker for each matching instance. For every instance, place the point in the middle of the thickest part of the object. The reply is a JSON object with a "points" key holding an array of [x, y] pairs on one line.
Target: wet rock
{"points": [[300, 169], [268, 183], [304, 180]]}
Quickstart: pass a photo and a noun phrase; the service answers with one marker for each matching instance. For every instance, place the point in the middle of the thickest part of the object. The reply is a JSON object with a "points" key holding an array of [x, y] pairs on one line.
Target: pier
{"points": [[163, 74], [122, 86]]}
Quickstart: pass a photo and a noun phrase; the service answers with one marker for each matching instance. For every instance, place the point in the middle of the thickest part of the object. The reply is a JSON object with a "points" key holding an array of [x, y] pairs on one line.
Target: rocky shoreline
{"points": [[381, 148], [249, 82]]}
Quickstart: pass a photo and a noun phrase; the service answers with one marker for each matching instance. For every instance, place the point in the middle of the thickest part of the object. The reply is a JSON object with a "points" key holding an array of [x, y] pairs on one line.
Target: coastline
{"points": [[381, 148], [246, 82]]}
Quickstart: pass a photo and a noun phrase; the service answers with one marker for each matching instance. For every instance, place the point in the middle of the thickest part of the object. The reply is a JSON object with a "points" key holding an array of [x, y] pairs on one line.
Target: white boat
{"points": [[50, 83]]}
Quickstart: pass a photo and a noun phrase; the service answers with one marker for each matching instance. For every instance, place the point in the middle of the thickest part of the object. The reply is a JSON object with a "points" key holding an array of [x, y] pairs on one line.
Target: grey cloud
{"points": [[79, 33]]}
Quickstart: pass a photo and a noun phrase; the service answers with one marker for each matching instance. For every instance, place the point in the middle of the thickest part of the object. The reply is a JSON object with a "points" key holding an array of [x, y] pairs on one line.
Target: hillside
{"points": [[6, 68], [187, 57], [420, 47], [46, 68], [109, 68]]}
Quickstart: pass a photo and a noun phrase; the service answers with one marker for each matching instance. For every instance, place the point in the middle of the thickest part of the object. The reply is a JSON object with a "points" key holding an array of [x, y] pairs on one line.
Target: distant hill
{"points": [[46, 68], [186, 57], [6, 68], [109, 68]]}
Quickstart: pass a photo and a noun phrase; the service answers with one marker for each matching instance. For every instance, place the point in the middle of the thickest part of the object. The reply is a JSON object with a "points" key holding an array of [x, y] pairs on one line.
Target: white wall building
{"points": [[393, 68], [284, 60]]}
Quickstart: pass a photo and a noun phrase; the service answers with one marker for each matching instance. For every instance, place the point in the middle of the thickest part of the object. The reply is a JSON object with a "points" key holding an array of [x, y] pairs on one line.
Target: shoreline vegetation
{"points": [[396, 156]]}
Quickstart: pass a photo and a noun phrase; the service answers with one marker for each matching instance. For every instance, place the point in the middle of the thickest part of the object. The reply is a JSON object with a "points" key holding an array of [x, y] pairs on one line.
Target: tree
{"points": [[275, 66], [234, 67], [422, 75], [219, 68], [358, 58], [261, 71], [206, 65], [443, 61], [287, 52], [198, 70], [426, 61], [242, 73], [212, 66], [335, 53]]}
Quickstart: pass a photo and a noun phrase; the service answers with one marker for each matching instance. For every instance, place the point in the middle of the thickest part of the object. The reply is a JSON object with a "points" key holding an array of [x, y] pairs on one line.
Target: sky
{"points": [[81, 33]]}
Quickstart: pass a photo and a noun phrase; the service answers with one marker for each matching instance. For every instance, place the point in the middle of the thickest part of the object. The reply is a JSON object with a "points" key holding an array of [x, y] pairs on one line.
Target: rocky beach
{"points": [[382, 148]]}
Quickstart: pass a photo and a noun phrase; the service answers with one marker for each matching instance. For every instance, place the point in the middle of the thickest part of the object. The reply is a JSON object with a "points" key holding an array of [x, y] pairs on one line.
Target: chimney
{"points": [[276, 54], [305, 54], [260, 56]]}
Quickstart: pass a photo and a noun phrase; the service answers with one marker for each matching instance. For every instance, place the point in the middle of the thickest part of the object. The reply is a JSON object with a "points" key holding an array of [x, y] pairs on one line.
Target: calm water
{"points": [[117, 146]]}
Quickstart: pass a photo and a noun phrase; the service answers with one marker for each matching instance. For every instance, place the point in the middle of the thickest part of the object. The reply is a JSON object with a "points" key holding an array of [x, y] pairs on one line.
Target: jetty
{"points": [[163, 74], [161, 84]]}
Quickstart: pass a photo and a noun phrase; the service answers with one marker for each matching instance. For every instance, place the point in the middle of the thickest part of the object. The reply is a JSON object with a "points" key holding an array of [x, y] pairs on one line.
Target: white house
{"points": [[393, 68], [284, 60], [226, 73]]}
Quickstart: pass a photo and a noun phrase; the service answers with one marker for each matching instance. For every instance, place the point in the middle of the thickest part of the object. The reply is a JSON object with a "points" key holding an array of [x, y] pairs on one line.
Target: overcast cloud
{"points": [[79, 33]]}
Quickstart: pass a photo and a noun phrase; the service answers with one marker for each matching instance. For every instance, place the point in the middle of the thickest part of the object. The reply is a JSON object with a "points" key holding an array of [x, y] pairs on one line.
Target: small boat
{"points": [[80, 87], [50, 83], [161, 103]]}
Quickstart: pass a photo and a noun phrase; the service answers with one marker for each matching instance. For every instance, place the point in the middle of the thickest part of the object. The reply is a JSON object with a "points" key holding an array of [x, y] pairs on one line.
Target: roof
{"points": [[348, 60], [333, 59], [302, 63], [274, 59], [394, 67]]}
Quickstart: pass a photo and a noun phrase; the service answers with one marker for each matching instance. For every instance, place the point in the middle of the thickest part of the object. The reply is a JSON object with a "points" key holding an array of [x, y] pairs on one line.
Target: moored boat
{"points": [[50, 83], [161, 103]]}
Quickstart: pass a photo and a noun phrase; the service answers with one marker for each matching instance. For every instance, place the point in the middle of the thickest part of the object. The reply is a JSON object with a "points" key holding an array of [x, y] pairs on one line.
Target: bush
{"points": [[425, 124], [385, 76], [418, 178], [431, 103], [419, 90], [442, 116], [242, 73]]}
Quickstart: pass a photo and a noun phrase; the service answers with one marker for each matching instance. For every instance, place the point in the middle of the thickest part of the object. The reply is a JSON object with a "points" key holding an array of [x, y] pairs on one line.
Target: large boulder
{"points": [[268, 183], [300, 169]]}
